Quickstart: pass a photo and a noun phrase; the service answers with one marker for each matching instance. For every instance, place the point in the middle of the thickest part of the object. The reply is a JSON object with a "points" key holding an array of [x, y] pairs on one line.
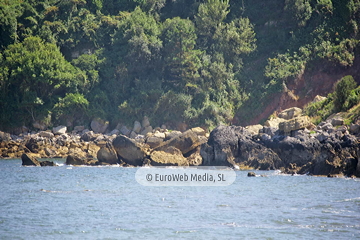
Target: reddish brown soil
{"points": [[319, 82]]}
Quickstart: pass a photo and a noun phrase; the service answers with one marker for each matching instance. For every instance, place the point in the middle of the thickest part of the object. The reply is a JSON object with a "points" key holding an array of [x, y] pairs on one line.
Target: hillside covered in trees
{"points": [[198, 62]]}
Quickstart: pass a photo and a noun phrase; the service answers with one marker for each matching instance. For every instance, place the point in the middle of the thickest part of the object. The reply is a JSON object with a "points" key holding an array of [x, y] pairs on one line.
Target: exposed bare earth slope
{"points": [[303, 90]]}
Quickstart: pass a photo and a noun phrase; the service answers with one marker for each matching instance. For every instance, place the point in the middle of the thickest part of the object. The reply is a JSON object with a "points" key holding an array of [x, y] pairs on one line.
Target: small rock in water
{"points": [[251, 174]]}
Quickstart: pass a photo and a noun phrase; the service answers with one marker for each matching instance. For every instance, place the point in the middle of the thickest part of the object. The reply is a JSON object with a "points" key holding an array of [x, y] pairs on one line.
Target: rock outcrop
{"points": [[129, 150], [329, 149], [76, 161], [233, 146], [107, 154], [320, 154], [290, 113], [294, 124], [59, 130], [185, 142], [99, 126], [28, 160], [169, 157]]}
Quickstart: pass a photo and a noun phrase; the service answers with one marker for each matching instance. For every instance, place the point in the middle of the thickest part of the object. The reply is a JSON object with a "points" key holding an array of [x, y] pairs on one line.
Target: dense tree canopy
{"points": [[191, 61]]}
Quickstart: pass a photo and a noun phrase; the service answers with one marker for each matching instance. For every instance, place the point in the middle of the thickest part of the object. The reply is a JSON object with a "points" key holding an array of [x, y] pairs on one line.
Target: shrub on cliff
{"points": [[345, 96], [343, 88]]}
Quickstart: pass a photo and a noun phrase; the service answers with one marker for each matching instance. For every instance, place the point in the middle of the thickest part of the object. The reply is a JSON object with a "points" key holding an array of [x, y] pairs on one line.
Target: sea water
{"points": [[67, 202]]}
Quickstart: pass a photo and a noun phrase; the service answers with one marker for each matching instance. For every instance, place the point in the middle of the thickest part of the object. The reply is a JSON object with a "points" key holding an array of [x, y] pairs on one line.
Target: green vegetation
{"points": [[201, 62], [344, 98]]}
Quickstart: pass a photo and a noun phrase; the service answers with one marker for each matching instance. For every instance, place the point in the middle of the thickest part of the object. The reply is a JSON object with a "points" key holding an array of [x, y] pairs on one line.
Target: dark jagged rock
{"points": [[47, 164], [77, 160], [326, 152], [28, 160], [321, 155], [233, 145], [129, 150], [74, 160], [107, 154], [222, 146]]}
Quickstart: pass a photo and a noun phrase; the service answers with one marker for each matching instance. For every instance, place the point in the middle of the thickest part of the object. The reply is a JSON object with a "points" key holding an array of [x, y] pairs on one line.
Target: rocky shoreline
{"points": [[289, 142]]}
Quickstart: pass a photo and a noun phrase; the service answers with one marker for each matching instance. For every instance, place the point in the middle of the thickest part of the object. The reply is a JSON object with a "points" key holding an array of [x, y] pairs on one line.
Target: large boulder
{"points": [[290, 113], [145, 122], [28, 160], [169, 157], [129, 150], [233, 146], [337, 121], [147, 129], [133, 135], [77, 160], [172, 134], [99, 126], [154, 142], [294, 124], [114, 132], [92, 149], [274, 122], [59, 130], [199, 131], [137, 127], [254, 129], [47, 164], [159, 135], [222, 146], [107, 154], [125, 131], [354, 128], [186, 142]]}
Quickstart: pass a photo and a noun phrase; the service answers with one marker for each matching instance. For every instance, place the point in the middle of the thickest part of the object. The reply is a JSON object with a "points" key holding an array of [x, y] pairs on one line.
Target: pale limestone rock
{"points": [[290, 113], [274, 122], [99, 126], [146, 130], [254, 129], [145, 122], [137, 127], [294, 124], [159, 135], [59, 130], [199, 131]]}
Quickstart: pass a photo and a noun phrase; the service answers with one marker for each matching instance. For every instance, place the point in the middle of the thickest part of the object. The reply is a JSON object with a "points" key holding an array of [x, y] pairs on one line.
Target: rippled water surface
{"points": [[107, 203]]}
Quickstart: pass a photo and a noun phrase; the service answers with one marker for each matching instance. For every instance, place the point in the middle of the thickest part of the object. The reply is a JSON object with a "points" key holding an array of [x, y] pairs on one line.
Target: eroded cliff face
{"points": [[302, 90]]}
